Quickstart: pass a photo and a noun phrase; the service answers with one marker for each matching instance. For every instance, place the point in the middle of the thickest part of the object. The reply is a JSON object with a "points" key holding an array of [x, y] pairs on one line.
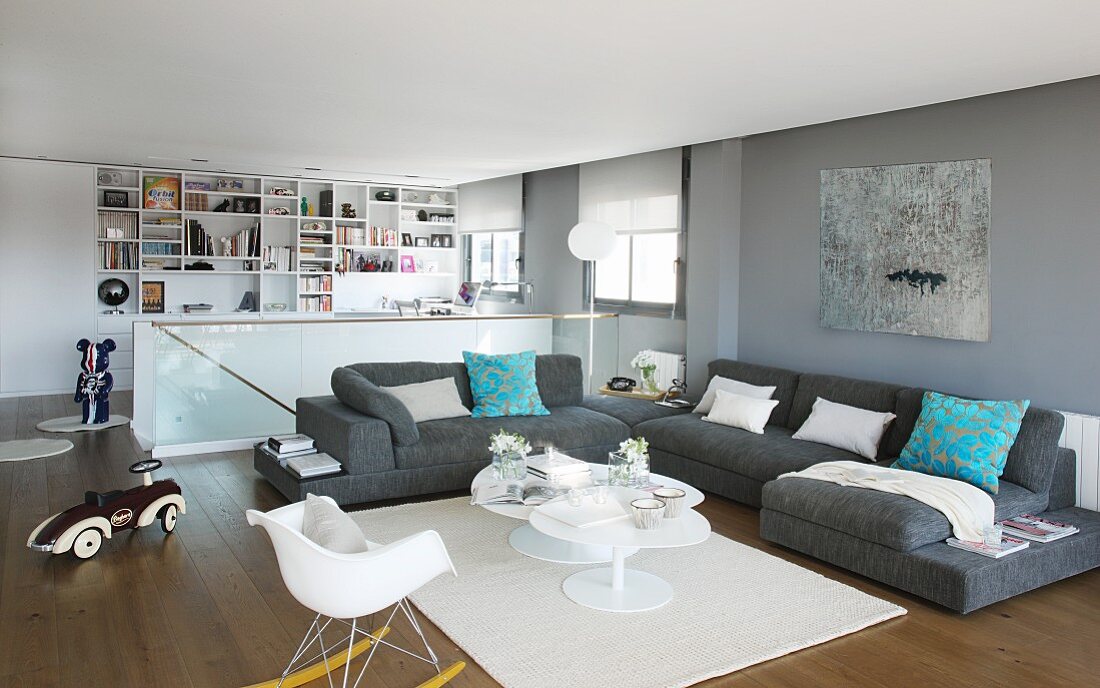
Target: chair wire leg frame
{"points": [[347, 646]]}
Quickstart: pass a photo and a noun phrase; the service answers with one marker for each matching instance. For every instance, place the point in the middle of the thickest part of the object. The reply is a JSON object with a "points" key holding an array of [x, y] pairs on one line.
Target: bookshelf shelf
{"points": [[428, 223], [110, 209], [211, 213]]}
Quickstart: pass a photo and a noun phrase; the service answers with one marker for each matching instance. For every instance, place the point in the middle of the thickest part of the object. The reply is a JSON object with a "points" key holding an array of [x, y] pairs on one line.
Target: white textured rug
{"points": [[73, 424], [733, 606], [21, 450]]}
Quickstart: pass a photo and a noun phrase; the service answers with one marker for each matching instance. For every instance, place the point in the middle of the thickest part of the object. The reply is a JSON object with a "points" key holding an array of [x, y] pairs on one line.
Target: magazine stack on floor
{"points": [[1037, 528], [297, 454]]}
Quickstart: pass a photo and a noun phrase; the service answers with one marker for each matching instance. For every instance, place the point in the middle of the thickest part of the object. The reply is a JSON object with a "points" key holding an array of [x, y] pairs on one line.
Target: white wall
{"points": [[47, 288]]}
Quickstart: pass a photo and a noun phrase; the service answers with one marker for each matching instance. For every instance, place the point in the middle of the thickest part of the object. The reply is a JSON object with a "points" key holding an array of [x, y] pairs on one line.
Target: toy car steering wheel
{"points": [[145, 466]]}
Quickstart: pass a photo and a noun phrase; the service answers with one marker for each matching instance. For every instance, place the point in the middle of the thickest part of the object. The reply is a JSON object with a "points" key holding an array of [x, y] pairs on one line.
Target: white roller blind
{"points": [[493, 205], [634, 194]]}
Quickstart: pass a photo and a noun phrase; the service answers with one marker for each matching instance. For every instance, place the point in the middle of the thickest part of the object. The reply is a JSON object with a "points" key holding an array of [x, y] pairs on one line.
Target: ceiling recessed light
{"points": [[199, 160], [313, 169]]}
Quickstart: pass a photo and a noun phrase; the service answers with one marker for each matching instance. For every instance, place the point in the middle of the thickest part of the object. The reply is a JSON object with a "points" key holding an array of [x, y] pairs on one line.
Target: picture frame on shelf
{"points": [[422, 242], [152, 296], [408, 264], [441, 240], [406, 239], [116, 199]]}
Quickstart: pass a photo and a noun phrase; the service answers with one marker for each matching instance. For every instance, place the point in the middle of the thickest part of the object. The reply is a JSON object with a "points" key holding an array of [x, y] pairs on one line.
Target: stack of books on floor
{"points": [[559, 468], [298, 454], [1037, 528], [1008, 545]]}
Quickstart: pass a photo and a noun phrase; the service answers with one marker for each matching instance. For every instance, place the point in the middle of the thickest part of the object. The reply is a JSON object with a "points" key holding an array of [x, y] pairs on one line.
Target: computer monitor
{"points": [[466, 299]]}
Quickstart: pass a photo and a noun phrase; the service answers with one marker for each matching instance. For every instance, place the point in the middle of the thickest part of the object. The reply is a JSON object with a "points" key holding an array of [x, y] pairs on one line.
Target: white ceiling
{"points": [[461, 90]]}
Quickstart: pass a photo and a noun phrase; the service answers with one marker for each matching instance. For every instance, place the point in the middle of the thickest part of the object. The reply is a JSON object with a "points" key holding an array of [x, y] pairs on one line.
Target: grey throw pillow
{"points": [[324, 523], [431, 400], [364, 396]]}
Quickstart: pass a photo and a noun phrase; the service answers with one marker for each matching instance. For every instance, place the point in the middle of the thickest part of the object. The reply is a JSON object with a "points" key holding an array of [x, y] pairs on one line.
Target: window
{"points": [[641, 196], [491, 227], [495, 257]]}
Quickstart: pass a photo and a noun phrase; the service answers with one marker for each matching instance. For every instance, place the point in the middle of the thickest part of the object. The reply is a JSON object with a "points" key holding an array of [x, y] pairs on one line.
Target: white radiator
{"points": [[669, 366], [1082, 435]]}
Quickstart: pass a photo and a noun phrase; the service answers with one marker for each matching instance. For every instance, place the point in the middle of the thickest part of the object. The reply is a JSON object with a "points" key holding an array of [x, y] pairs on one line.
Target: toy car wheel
{"points": [[87, 543], [168, 518]]}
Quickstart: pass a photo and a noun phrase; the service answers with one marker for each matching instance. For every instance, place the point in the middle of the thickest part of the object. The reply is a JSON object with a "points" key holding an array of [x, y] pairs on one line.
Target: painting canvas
{"points": [[905, 249]]}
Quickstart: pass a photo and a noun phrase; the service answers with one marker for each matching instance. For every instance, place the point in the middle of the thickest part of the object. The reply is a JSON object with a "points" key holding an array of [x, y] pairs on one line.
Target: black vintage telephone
{"points": [[621, 384]]}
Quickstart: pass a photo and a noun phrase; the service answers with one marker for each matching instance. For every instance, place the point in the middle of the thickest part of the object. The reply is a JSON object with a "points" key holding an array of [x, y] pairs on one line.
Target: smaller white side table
{"points": [[617, 588]]}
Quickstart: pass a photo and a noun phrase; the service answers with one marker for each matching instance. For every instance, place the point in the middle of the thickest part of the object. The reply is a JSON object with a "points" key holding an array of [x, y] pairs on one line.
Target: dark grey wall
{"points": [[1045, 247]]}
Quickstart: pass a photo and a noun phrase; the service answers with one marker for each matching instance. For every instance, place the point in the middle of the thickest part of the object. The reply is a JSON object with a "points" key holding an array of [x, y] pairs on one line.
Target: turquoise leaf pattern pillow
{"points": [[963, 439], [504, 384]]}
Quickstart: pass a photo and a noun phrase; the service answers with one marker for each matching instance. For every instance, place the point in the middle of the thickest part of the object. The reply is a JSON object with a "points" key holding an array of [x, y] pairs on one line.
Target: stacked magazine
{"points": [[555, 467], [1037, 528], [513, 493], [1008, 545]]}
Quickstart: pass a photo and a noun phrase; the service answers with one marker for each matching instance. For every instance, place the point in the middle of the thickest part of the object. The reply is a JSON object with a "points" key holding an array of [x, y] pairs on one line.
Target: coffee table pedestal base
{"points": [[530, 542], [616, 588]]}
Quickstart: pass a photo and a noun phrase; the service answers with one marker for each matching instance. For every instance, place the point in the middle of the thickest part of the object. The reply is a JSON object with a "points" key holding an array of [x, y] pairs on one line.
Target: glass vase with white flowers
{"points": [[646, 364], [629, 467], [510, 452]]}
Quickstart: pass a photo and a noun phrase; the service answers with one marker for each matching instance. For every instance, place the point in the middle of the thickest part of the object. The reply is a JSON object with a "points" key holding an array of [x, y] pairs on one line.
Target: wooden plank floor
{"points": [[206, 606]]}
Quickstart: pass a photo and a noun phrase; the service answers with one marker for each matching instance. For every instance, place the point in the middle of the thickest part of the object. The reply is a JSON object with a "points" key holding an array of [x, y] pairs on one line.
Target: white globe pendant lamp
{"points": [[592, 241]]}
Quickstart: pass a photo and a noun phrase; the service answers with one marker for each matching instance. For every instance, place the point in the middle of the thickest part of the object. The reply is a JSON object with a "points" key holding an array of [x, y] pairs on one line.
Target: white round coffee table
{"points": [[532, 543], [617, 588]]}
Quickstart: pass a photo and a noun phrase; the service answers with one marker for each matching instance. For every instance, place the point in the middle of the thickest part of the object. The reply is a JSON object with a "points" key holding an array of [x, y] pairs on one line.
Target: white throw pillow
{"points": [[739, 411], [432, 400], [324, 523], [734, 387], [845, 427]]}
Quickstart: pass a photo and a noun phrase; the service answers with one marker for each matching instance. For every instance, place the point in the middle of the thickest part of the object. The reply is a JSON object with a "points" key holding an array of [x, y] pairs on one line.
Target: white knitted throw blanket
{"points": [[966, 506]]}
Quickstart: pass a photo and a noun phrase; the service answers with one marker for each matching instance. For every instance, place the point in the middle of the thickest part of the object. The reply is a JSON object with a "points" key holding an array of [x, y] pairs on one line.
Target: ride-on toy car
{"points": [[83, 527]]}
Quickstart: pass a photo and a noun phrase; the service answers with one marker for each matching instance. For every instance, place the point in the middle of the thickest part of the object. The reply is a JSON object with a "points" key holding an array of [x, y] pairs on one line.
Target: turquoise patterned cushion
{"points": [[963, 438], [504, 385]]}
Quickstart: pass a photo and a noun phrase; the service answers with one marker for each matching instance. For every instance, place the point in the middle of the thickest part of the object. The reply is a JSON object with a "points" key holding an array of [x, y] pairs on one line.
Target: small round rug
{"points": [[21, 450], [73, 424]]}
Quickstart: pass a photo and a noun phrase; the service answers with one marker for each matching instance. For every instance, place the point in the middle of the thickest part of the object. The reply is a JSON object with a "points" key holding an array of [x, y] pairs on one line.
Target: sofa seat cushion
{"points": [[895, 521], [630, 411], [761, 457], [461, 440]]}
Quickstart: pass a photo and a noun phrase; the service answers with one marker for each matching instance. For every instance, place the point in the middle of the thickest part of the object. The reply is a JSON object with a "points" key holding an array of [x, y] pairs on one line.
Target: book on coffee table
{"points": [[555, 465], [587, 515], [513, 493]]}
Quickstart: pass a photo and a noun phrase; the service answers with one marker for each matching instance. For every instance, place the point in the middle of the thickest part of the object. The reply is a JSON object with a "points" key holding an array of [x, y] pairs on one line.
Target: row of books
{"points": [[306, 264], [318, 283], [367, 236], [198, 242], [1016, 534], [311, 240], [279, 258], [246, 243], [315, 304], [196, 202], [298, 454], [118, 256], [159, 248], [111, 224]]}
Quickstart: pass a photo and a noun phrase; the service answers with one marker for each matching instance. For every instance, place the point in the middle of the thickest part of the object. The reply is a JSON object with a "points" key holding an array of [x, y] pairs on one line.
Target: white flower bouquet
{"points": [[646, 363], [510, 452]]}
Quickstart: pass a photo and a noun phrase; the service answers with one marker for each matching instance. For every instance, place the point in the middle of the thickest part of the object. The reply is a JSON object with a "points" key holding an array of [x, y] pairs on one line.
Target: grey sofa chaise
{"points": [[384, 459]]}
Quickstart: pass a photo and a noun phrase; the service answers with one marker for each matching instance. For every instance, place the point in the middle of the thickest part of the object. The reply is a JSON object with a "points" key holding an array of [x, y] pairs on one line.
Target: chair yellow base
{"points": [[317, 670], [444, 676]]}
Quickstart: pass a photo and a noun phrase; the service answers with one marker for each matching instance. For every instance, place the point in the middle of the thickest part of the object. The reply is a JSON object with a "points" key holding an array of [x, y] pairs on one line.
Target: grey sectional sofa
{"points": [[382, 460]]}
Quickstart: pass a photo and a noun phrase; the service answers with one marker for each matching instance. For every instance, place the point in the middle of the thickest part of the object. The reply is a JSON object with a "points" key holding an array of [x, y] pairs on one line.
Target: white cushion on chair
{"points": [[324, 523]]}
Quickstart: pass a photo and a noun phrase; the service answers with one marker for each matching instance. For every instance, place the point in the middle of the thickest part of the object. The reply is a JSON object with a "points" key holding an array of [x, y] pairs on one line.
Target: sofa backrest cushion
{"points": [[356, 391], [880, 397], [784, 381], [560, 379], [1033, 456], [407, 372]]}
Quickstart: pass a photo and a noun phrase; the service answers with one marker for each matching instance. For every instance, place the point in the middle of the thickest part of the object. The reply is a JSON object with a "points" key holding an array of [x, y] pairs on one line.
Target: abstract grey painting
{"points": [[905, 249]]}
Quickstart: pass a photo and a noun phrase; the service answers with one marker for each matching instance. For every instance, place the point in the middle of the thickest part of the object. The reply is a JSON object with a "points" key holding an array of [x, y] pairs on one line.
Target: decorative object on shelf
{"points": [[94, 383], [303, 206], [437, 240], [346, 210], [222, 207], [412, 197], [645, 364], [279, 210], [114, 293], [309, 210], [387, 265], [248, 302], [239, 206], [592, 241], [315, 227], [279, 191], [422, 242], [437, 199], [326, 203], [161, 193], [232, 185], [431, 266], [406, 239], [199, 265], [82, 528], [905, 249], [252, 205], [152, 297], [648, 513], [510, 452], [408, 264], [408, 215], [422, 215], [385, 195], [196, 186], [276, 307], [673, 497], [419, 265], [441, 218], [116, 199], [109, 178], [621, 384], [629, 467]]}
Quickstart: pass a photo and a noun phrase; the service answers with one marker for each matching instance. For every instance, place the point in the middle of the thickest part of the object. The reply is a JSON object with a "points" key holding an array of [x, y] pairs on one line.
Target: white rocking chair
{"points": [[339, 587]]}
